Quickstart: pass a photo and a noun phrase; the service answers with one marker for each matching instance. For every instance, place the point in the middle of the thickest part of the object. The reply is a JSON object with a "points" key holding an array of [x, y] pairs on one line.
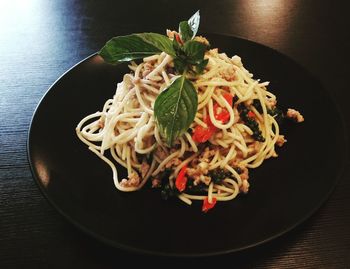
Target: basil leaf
{"points": [[193, 22], [180, 65], [194, 51], [185, 31], [136, 46], [201, 65], [175, 109], [162, 42], [126, 48]]}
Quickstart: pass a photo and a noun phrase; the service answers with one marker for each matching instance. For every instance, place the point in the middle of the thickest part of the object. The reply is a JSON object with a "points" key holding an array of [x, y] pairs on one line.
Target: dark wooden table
{"points": [[39, 40]]}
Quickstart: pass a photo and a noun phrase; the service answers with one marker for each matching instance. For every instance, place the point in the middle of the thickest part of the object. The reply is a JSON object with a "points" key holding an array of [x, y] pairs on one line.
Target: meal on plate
{"points": [[188, 119]]}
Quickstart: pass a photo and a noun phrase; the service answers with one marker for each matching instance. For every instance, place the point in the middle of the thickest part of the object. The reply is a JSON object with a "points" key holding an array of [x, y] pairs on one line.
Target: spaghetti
{"points": [[235, 128]]}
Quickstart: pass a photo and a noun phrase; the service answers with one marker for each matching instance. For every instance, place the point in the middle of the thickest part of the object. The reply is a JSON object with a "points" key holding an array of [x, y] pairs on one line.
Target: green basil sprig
{"points": [[176, 106], [136, 46], [190, 57]]}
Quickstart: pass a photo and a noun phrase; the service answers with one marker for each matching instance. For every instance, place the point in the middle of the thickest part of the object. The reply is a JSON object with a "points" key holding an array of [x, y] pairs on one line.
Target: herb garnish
{"points": [[277, 114], [218, 175], [250, 122], [273, 111], [176, 106]]}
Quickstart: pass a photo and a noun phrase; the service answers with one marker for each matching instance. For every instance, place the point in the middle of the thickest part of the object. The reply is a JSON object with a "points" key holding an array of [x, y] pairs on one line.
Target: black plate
{"points": [[284, 191]]}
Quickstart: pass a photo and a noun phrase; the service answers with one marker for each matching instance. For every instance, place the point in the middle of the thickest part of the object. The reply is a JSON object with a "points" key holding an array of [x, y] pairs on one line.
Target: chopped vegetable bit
{"points": [[229, 98], [164, 176], [206, 205], [195, 189], [178, 39], [251, 114], [218, 175], [221, 113], [276, 113], [181, 180], [167, 192], [250, 122], [202, 134]]}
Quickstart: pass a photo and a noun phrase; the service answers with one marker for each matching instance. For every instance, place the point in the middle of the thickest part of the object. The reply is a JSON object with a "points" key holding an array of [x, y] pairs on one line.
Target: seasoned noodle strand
{"points": [[231, 132]]}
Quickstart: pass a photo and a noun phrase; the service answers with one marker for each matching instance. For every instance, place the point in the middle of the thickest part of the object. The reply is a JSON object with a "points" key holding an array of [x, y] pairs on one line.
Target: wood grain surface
{"points": [[40, 40]]}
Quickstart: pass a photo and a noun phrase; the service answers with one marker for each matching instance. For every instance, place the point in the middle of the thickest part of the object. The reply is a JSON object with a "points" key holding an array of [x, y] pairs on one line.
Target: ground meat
{"points": [[173, 162], [144, 168], [214, 52], [170, 33], [254, 148], [280, 140], [156, 183], [199, 173], [160, 153], [147, 68], [219, 135], [202, 40], [101, 123], [245, 173], [228, 74], [132, 181], [245, 186], [295, 114], [201, 178], [136, 80], [206, 155], [148, 141], [239, 157]]}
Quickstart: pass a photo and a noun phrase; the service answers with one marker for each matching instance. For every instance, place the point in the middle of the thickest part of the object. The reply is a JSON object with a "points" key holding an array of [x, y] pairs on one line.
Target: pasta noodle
{"points": [[232, 106]]}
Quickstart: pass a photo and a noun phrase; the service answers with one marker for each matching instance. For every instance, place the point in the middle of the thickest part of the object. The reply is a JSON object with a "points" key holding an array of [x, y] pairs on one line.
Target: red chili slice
{"points": [[251, 114], [206, 205], [178, 39], [181, 180], [229, 98], [221, 113], [202, 134]]}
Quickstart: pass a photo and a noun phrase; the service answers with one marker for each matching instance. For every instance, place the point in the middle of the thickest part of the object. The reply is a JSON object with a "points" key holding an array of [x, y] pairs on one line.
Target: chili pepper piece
{"points": [[181, 180], [251, 114], [202, 134], [206, 205]]}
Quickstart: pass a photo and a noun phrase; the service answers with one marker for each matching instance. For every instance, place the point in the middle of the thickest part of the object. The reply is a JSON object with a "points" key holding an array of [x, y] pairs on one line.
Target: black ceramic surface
{"points": [[284, 191]]}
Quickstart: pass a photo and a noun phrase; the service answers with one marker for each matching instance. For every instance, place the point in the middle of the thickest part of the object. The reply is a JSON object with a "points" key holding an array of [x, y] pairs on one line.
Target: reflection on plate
{"points": [[284, 191]]}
